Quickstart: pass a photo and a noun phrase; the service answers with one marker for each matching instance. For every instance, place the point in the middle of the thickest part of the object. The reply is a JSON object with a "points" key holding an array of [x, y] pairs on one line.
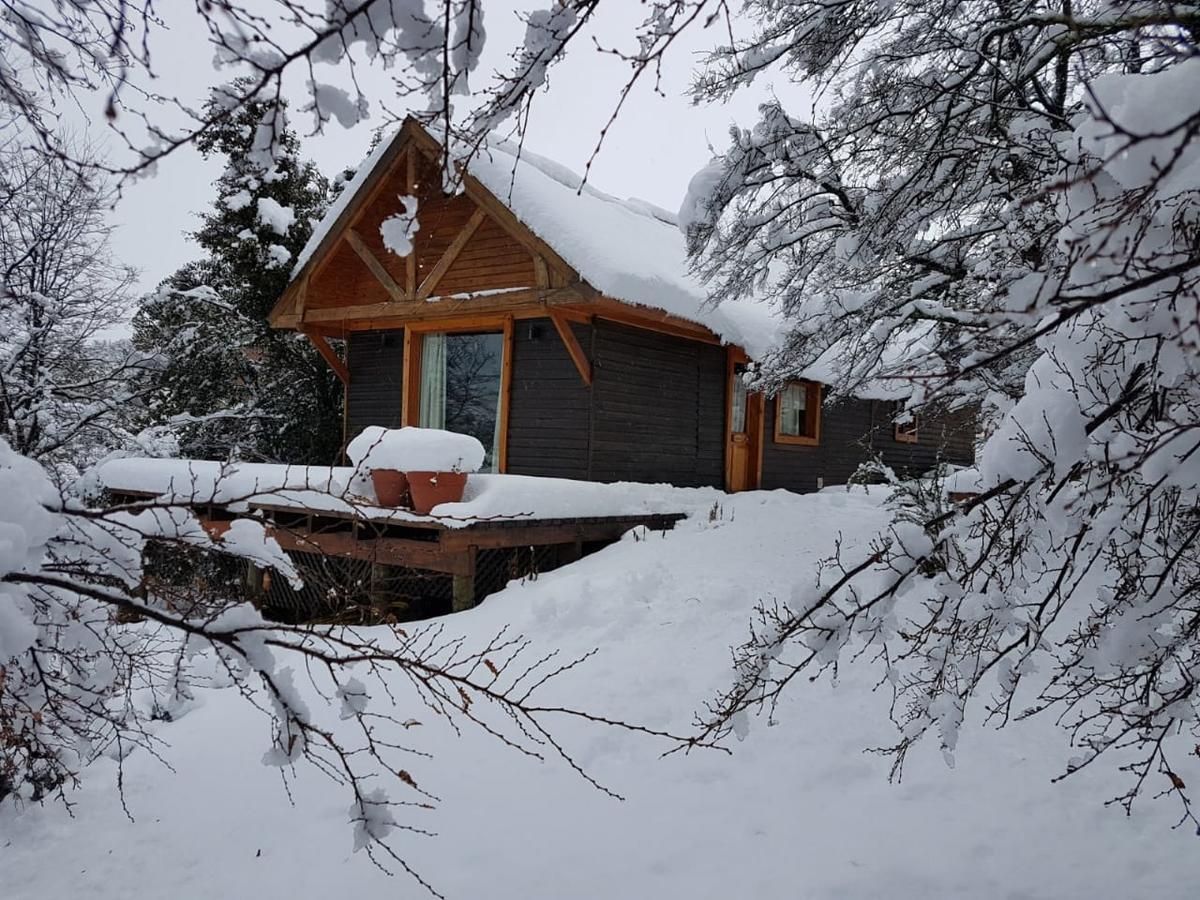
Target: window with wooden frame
{"points": [[905, 431], [457, 377], [798, 414]]}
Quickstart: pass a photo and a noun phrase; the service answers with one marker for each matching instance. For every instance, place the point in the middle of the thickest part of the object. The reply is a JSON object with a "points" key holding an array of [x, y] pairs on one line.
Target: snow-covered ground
{"points": [[798, 810]]}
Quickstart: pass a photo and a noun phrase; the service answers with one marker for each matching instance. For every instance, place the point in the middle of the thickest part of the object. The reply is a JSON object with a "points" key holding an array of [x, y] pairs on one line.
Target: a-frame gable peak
{"points": [[407, 166]]}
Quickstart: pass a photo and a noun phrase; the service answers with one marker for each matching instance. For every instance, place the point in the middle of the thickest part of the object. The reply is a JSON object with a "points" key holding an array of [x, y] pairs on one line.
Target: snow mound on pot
{"points": [[412, 449]]}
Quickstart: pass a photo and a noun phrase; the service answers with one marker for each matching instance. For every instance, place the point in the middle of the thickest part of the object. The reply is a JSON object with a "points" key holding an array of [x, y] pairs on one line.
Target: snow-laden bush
{"points": [[73, 672]]}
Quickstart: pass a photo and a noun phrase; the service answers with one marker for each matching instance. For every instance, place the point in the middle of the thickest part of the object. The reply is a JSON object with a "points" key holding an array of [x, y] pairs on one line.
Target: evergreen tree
{"points": [[227, 383]]}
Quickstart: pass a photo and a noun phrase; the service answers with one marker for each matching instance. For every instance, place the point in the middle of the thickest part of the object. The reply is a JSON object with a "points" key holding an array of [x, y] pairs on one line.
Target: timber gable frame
{"points": [[408, 291]]}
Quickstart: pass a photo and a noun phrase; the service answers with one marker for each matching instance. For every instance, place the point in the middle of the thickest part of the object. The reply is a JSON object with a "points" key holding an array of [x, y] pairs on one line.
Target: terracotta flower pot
{"points": [[391, 487], [430, 489]]}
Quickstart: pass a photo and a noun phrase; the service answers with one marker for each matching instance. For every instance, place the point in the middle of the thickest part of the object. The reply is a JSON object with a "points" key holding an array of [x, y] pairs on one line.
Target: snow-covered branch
{"points": [[999, 206]]}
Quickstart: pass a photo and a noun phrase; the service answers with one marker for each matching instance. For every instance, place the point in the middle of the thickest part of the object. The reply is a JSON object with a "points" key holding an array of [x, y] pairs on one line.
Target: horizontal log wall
{"points": [[658, 408], [942, 437], [844, 444], [375, 360], [551, 406], [856, 431], [655, 413]]}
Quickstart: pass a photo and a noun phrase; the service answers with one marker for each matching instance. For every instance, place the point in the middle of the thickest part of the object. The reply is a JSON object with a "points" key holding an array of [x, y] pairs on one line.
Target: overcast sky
{"points": [[656, 145]]}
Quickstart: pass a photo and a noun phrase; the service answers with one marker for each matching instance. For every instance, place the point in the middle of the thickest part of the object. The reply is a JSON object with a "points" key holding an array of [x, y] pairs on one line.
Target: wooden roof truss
{"points": [[436, 281]]}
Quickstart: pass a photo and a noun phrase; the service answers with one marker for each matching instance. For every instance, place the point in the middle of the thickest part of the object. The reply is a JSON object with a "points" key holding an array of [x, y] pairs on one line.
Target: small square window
{"points": [[798, 413], [906, 432]]}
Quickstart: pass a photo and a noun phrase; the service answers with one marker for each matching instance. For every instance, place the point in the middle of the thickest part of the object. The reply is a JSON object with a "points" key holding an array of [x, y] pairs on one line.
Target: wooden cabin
{"points": [[562, 328]]}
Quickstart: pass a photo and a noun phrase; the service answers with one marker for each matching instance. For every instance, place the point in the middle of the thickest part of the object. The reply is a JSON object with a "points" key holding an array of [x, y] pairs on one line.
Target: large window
{"points": [[798, 413], [461, 377]]}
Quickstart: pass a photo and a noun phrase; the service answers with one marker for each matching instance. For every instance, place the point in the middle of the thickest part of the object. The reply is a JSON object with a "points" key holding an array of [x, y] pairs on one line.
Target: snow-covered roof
{"points": [[629, 250]]}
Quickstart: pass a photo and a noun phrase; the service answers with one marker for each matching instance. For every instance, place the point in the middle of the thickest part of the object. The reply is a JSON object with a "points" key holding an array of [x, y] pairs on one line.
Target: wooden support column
{"points": [[410, 388], [410, 261], [464, 586]]}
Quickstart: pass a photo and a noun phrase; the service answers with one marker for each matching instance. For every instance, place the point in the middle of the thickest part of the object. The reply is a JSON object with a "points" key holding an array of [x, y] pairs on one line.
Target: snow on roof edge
{"points": [[631, 250]]}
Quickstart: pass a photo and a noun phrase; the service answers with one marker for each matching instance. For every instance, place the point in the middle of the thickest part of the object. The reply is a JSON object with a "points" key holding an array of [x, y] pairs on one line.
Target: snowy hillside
{"points": [[797, 810]]}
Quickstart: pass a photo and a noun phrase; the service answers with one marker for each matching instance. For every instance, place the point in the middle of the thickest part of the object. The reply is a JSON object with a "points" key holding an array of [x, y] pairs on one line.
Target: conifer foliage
{"points": [[227, 383]]}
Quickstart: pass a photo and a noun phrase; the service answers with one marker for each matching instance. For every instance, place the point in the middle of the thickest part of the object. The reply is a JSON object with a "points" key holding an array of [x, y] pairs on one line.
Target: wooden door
{"points": [[743, 456]]}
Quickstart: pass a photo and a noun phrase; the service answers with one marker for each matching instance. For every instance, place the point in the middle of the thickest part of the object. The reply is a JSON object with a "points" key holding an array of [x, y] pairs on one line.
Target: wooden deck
{"points": [[443, 547], [376, 545]]}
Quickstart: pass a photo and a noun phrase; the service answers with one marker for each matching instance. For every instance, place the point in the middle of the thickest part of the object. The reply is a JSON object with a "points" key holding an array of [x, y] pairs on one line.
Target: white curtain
{"points": [[493, 459], [433, 381], [793, 418], [737, 423]]}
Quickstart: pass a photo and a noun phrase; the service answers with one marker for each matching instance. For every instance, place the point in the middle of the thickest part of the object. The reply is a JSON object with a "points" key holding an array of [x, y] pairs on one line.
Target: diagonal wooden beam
{"points": [[374, 181], [376, 267], [563, 327], [335, 362], [507, 219], [447, 259]]}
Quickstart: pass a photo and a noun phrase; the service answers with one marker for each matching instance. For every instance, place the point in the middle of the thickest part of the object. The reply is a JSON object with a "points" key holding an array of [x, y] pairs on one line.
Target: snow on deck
{"points": [[339, 490]]}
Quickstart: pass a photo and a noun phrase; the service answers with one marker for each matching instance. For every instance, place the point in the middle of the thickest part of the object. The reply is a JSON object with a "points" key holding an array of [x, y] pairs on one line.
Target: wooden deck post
{"points": [[464, 585]]}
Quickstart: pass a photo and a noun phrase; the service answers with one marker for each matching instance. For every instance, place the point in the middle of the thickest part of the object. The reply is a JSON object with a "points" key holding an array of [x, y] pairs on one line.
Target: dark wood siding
{"points": [[942, 437], [658, 408], [549, 403], [845, 429], [655, 413], [375, 360], [856, 431]]}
